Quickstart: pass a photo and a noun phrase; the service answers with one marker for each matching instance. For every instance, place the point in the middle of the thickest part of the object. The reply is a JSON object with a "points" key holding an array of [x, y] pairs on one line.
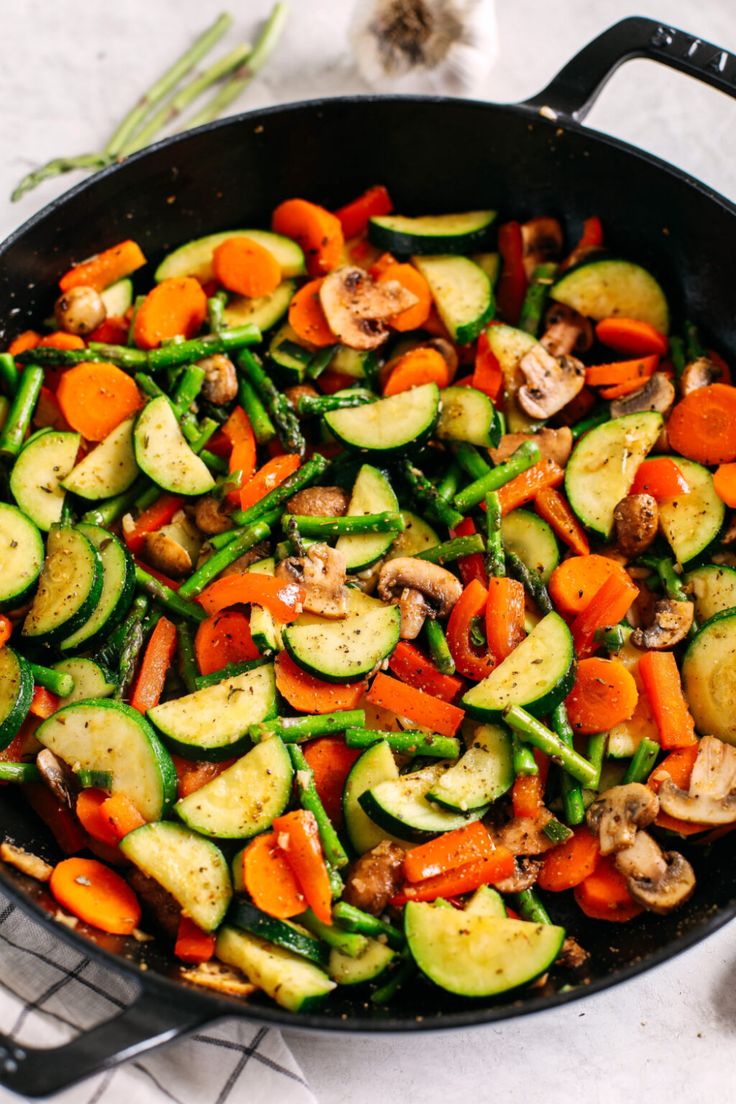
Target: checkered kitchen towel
{"points": [[49, 991]]}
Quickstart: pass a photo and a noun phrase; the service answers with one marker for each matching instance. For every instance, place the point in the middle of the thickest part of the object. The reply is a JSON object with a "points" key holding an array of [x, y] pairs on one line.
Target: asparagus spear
{"points": [[263, 427], [471, 461], [212, 567], [167, 597], [452, 550], [294, 730], [278, 406], [304, 475], [132, 643], [8, 374], [324, 528], [642, 762], [534, 732], [309, 405], [531, 581], [426, 494], [535, 300], [335, 853], [495, 557], [572, 792], [21, 412], [438, 647], [58, 682], [525, 456], [406, 743]]}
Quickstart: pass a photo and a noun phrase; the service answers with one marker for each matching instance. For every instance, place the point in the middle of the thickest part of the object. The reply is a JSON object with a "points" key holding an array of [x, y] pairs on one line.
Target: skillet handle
{"points": [[146, 1023], [572, 93]]}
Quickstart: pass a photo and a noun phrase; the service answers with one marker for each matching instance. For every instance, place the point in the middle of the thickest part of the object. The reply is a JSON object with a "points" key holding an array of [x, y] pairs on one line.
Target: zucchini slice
{"points": [[289, 355], [490, 263], [194, 258], [538, 674], [460, 233], [372, 494], [691, 522], [403, 806], [21, 556], [486, 901], [603, 464], [709, 677], [713, 589], [244, 799], [625, 737], [192, 869], [118, 585], [90, 681], [509, 345], [532, 540], [289, 979], [601, 289], [477, 955], [367, 966], [16, 692], [37, 476], [343, 651], [69, 588], [388, 426], [375, 765], [109, 736], [163, 454], [264, 628], [417, 536], [264, 312], [483, 774], [283, 933], [468, 415], [213, 723], [356, 363], [109, 469], [462, 294], [118, 297]]}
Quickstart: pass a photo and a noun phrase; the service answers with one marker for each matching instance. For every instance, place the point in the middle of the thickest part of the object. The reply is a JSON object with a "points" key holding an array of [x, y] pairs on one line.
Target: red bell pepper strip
{"points": [[282, 599], [487, 376], [354, 216], [512, 283], [660, 478], [554, 508], [62, 824], [591, 238], [468, 660], [448, 851], [463, 879], [6, 629], [661, 679], [297, 836], [472, 566], [192, 944], [159, 513], [411, 666], [423, 709], [156, 662], [608, 606], [43, 702], [504, 616]]}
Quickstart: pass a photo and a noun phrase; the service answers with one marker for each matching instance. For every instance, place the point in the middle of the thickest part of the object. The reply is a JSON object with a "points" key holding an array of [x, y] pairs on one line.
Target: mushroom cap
{"points": [[551, 382], [711, 797], [438, 585], [319, 502], [672, 623], [619, 812], [658, 880], [554, 444], [700, 372], [165, 553], [57, 777], [321, 573], [566, 331], [656, 394], [636, 518], [356, 306]]}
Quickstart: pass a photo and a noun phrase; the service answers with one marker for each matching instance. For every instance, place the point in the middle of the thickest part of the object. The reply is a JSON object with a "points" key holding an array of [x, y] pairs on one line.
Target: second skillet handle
{"points": [[572, 93]]}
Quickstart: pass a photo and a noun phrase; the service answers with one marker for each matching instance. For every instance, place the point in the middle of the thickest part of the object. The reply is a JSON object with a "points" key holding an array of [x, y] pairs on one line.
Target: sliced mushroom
{"points": [[636, 519], [375, 878], [554, 444], [356, 306], [525, 836], [672, 622], [166, 554], [659, 881], [321, 573], [218, 977], [572, 956], [159, 904], [29, 864], [550, 382], [711, 797], [421, 589], [80, 310], [700, 372], [57, 777], [619, 812], [211, 516], [526, 872], [566, 331], [657, 393], [541, 240], [220, 379], [729, 537], [319, 502]]}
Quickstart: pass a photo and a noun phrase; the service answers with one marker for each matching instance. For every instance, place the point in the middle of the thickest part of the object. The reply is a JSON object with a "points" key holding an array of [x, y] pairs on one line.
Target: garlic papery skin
{"points": [[438, 46]]}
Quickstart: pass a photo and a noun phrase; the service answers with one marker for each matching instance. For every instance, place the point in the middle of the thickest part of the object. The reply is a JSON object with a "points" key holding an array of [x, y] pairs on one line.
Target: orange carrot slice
{"points": [[96, 894], [246, 267], [174, 308], [95, 397], [315, 229], [604, 695]]}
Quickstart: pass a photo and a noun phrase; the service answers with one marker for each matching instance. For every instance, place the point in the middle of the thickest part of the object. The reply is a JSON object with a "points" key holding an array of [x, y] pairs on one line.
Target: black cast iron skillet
{"points": [[434, 155]]}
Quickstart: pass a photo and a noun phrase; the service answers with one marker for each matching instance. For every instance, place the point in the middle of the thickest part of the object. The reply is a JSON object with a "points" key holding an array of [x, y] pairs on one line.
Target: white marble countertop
{"points": [[70, 69]]}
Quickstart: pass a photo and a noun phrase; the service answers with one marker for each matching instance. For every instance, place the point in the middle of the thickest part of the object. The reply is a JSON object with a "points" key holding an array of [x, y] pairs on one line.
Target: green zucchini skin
{"points": [[194, 258], [532, 540], [390, 426], [403, 807], [713, 589], [709, 677], [462, 233], [116, 595], [462, 294], [16, 694], [36, 481], [21, 556], [290, 980], [333, 651], [244, 915], [602, 288], [692, 522], [64, 599]]}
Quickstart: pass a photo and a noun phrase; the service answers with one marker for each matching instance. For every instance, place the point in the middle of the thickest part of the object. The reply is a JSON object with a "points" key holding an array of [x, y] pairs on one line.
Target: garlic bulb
{"points": [[445, 46]]}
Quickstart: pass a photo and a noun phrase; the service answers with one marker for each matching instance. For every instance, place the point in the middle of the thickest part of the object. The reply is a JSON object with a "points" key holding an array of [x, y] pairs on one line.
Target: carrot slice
{"points": [[724, 482], [246, 267], [621, 371], [628, 387], [272, 474], [411, 666], [59, 339], [156, 662], [269, 879], [297, 835], [414, 317], [504, 616], [95, 397], [575, 581], [659, 477], [192, 944], [604, 894], [448, 851], [661, 678], [89, 812], [113, 331], [96, 894], [243, 457], [354, 216], [315, 229], [105, 268], [498, 866], [527, 486], [330, 760], [570, 863], [555, 509], [29, 339], [174, 308], [121, 814], [607, 607], [311, 695], [702, 426], [604, 695], [678, 766], [224, 638], [423, 709], [192, 775], [283, 599], [629, 335], [307, 318], [415, 368], [6, 629], [527, 793]]}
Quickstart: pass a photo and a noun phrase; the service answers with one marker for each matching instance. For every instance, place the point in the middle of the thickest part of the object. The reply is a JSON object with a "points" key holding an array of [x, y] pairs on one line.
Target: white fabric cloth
{"points": [[49, 991]]}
